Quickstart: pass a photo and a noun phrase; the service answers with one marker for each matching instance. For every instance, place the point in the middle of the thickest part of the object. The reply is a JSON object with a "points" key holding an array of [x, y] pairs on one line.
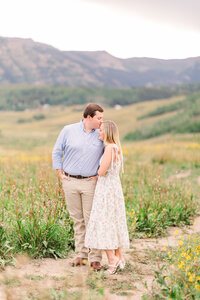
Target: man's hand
{"points": [[61, 175]]}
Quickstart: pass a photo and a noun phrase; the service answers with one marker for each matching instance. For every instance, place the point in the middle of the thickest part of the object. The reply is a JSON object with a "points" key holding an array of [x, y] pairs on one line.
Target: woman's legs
{"points": [[119, 254]]}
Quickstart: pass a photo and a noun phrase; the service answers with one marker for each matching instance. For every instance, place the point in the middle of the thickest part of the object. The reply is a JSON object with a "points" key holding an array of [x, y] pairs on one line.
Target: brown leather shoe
{"points": [[96, 266], [79, 261]]}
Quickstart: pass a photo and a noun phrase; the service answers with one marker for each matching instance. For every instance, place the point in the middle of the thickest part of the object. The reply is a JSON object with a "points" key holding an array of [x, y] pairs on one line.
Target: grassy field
{"points": [[20, 131], [186, 119], [161, 185]]}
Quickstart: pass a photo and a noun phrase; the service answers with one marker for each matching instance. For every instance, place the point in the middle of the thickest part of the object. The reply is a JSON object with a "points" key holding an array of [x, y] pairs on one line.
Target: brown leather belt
{"points": [[78, 176]]}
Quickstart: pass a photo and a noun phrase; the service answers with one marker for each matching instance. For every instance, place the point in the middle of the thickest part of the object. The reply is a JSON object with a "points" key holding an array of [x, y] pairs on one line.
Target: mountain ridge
{"points": [[24, 61]]}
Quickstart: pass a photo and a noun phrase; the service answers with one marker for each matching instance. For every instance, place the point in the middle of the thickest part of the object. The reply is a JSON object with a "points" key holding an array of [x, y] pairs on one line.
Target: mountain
{"points": [[23, 61]]}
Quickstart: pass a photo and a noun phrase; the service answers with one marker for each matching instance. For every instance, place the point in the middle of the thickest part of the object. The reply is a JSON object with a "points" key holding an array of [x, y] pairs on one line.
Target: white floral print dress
{"points": [[107, 227]]}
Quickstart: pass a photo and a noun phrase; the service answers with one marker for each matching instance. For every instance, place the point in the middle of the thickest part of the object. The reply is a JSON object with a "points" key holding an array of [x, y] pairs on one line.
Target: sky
{"points": [[124, 28]]}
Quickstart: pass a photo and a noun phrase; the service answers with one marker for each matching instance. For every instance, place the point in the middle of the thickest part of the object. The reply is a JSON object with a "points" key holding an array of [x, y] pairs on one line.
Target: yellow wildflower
{"points": [[197, 287], [181, 265], [192, 277]]}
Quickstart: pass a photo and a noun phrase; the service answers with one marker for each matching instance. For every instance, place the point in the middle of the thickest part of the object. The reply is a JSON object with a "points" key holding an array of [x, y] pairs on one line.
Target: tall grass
{"points": [[33, 211], [153, 205], [34, 217]]}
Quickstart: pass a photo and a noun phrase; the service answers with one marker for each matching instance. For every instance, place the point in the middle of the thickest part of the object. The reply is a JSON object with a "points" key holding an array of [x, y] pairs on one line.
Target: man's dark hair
{"points": [[91, 109]]}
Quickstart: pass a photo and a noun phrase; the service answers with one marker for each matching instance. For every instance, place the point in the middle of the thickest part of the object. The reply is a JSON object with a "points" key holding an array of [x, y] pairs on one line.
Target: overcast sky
{"points": [[124, 28]]}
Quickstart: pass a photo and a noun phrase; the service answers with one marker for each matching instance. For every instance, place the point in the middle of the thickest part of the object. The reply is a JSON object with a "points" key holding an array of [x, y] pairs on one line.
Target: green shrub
{"points": [[39, 117]]}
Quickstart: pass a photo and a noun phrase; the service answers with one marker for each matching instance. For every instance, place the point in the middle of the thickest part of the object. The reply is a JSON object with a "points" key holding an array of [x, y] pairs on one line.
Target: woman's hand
{"points": [[93, 178]]}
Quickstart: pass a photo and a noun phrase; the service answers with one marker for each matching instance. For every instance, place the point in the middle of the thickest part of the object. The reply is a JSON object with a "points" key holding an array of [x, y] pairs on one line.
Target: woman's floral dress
{"points": [[107, 227]]}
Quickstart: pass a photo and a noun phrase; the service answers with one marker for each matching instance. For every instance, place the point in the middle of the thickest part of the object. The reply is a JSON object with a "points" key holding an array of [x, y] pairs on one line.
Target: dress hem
{"points": [[110, 248]]}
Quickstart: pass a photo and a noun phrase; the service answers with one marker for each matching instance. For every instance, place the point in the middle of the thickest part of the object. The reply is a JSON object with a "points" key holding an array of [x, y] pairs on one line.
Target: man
{"points": [[79, 147]]}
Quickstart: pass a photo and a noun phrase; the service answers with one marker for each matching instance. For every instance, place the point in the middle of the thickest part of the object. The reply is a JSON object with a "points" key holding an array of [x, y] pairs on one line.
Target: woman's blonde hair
{"points": [[111, 136]]}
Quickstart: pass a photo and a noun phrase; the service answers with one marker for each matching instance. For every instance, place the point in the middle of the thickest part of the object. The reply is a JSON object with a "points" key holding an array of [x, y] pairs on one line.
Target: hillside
{"points": [[30, 97], [185, 119], [32, 129], [23, 61]]}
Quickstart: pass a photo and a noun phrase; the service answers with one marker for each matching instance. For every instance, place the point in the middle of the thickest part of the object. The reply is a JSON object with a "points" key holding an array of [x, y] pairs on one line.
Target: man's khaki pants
{"points": [[79, 195]]}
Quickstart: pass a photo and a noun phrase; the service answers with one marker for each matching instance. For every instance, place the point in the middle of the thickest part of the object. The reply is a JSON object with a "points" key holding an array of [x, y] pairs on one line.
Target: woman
{"points": [[107, 228]]}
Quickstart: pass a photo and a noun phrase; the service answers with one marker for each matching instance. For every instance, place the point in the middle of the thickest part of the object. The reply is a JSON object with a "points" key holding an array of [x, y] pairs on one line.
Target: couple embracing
{"points": [[88, 157]]}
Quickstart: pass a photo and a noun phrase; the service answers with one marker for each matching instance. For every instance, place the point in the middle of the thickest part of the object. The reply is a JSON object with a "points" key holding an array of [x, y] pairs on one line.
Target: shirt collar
{"points": [[82, 126]]}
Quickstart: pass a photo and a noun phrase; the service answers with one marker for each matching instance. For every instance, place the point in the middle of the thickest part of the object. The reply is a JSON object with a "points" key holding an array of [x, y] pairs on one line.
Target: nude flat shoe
{"points": [[115, 267], [122, 264]]}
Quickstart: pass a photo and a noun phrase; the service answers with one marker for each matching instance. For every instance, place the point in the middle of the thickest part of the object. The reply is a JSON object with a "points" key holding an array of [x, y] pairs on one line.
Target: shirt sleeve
{"points": [[58, 149]]}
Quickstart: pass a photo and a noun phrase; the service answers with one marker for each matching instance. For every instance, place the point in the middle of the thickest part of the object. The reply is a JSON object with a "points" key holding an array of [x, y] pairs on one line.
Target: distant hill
{"points": [[32, 97], [186, 119], [23, 61]]}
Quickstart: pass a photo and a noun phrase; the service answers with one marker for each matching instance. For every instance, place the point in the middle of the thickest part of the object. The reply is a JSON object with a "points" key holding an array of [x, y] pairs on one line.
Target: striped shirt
{"points": [[77, 152]]}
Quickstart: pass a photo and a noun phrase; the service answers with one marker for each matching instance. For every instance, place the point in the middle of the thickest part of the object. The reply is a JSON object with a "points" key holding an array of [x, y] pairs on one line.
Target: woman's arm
{"points": [[106, 161]]}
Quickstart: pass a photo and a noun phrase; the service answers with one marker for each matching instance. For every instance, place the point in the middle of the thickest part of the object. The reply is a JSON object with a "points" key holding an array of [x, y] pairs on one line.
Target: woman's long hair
{"points": [[111, 136]]}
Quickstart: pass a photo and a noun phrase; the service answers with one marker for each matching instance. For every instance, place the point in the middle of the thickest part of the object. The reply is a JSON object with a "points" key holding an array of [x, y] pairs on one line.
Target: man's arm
{"points": [[57, 154]]}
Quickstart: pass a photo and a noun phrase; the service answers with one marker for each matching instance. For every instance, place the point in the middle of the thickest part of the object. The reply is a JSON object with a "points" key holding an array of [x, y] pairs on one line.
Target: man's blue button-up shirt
{"points": [[77, 152]]}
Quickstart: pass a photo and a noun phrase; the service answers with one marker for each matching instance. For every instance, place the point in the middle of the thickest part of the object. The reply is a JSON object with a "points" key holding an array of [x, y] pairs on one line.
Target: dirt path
{"points": [[178, 176], [31, 278]]}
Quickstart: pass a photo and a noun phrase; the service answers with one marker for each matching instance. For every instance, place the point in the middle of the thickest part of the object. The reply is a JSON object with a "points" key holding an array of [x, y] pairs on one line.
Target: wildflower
{"points": [[181, 265], [176, 231], [164, 248], [191, 277], [197, 287], [188, 257], [180, 243]]}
